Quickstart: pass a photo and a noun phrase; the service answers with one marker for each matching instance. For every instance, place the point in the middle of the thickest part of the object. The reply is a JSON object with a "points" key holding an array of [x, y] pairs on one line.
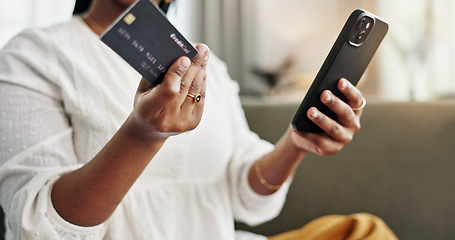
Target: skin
{"points": [[88, 196]]}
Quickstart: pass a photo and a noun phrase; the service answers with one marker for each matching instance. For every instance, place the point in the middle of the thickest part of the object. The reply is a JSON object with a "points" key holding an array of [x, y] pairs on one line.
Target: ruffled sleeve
{"points": [[36, 146]]}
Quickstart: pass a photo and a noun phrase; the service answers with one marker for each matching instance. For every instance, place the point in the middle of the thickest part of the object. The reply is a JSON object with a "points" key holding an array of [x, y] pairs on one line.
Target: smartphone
{"points": [[350, 55]]}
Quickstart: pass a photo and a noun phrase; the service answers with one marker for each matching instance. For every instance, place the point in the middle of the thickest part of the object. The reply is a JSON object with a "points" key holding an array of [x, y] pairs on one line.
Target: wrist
{"points": [[264, 182], [140, 130], [292, 145]]}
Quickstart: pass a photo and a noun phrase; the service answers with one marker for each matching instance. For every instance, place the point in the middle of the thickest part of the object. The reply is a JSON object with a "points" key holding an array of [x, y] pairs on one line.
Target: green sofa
{"points": [[400, 167]]}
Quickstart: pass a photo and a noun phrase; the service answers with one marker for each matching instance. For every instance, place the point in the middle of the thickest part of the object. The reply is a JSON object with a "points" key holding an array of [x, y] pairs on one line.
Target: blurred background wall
{"points": [[20, 14], [275, 48]]}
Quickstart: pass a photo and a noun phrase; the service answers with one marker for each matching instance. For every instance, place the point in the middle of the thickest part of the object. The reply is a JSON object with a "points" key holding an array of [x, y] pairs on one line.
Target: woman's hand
{"points": [[90, 194], [176, 105], [338, 132]]}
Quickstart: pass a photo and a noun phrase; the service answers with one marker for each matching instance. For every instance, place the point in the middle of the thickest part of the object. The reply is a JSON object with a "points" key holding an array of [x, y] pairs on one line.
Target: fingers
{"points": [[338, 131], [193, 81], [345, 115], [184, 77], [330, 126], [166, 108], [173, 79], [169, 106], [166, 92], [197, 108], [194, 86], [347, 121], [353, 95]]}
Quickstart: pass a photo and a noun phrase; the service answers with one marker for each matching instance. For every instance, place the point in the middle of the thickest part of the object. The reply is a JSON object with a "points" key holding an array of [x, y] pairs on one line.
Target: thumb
{"points": [[162, 94]]}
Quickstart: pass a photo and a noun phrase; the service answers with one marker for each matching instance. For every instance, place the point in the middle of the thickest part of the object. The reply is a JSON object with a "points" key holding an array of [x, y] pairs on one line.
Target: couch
{"points": [[400, 167]]}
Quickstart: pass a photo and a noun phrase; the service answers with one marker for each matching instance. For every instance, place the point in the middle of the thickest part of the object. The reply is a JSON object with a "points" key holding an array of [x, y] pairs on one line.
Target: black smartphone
{"points": [[350, 55]]}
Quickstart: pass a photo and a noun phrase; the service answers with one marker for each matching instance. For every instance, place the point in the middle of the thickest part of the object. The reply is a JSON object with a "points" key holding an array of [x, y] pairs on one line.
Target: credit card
{"points": [[145, 38]]}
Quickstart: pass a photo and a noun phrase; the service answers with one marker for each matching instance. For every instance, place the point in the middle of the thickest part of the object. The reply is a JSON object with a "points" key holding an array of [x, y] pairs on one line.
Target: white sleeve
{"points": [[248, 206], [36, 148]]}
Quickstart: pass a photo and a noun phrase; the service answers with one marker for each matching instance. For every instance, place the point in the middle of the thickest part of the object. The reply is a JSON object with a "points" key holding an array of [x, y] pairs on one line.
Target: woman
{"points": [[79, 162]]}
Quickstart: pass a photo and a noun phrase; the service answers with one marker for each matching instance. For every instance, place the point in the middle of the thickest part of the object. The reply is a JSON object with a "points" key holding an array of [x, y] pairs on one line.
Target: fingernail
{"points": [[313, 113], [185, 63], [328, 97], [202, 49], [344, 84]]}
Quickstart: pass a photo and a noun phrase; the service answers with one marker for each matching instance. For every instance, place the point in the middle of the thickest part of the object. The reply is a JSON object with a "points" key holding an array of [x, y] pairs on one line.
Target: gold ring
{"points": [[364, 103], [196, 98]]}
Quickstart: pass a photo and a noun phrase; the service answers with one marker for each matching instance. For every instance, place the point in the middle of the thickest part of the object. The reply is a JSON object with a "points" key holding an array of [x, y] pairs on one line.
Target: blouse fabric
{"points": [[64, 94]]}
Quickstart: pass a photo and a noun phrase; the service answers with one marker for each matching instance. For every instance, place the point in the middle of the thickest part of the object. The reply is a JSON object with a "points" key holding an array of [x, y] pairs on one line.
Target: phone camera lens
{"points": [[360, 31], [359, 38], [363, 24]]}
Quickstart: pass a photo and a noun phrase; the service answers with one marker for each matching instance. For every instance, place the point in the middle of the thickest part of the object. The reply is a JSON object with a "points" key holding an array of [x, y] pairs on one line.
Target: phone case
{"points": [[350, 55]]}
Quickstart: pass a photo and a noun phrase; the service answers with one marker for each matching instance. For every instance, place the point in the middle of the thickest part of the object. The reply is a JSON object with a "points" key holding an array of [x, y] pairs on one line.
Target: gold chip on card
{"points": [[129, 18]]}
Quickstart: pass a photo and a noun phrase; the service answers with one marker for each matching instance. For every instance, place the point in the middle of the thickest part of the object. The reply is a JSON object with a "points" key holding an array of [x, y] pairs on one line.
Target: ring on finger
{"points": [[196, 98], [364, 103]]}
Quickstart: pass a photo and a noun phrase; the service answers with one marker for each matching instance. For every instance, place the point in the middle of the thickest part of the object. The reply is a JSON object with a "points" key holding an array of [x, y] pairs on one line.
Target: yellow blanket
{"points": [[341, 227]]}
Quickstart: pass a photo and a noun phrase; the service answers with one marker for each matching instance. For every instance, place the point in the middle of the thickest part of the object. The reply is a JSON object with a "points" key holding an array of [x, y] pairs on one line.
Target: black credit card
{"points": [[145, 38]]}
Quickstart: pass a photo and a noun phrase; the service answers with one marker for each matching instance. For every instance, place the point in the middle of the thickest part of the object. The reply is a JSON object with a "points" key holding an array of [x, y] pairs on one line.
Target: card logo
{"points": [[129, 18], [179, 43]]}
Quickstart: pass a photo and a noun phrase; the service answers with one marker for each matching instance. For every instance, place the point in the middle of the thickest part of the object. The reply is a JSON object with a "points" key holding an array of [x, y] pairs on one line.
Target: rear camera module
{"points": [[360, 32]]}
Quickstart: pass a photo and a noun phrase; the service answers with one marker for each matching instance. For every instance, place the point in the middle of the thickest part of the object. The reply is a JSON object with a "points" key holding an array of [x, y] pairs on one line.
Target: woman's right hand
{"points": [[170, 108]]}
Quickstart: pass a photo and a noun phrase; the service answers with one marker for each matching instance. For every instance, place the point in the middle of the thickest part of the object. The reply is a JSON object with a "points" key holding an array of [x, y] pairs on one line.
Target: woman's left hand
{"points": [[338, 132]]}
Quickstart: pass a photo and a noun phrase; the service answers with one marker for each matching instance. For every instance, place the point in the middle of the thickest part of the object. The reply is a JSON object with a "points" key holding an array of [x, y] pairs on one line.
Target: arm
{"points": [[275, 167], [89, 195]]}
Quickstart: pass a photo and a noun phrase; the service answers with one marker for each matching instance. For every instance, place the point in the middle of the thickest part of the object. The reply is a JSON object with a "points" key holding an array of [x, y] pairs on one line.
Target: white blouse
{"points": [[63, 95]]}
